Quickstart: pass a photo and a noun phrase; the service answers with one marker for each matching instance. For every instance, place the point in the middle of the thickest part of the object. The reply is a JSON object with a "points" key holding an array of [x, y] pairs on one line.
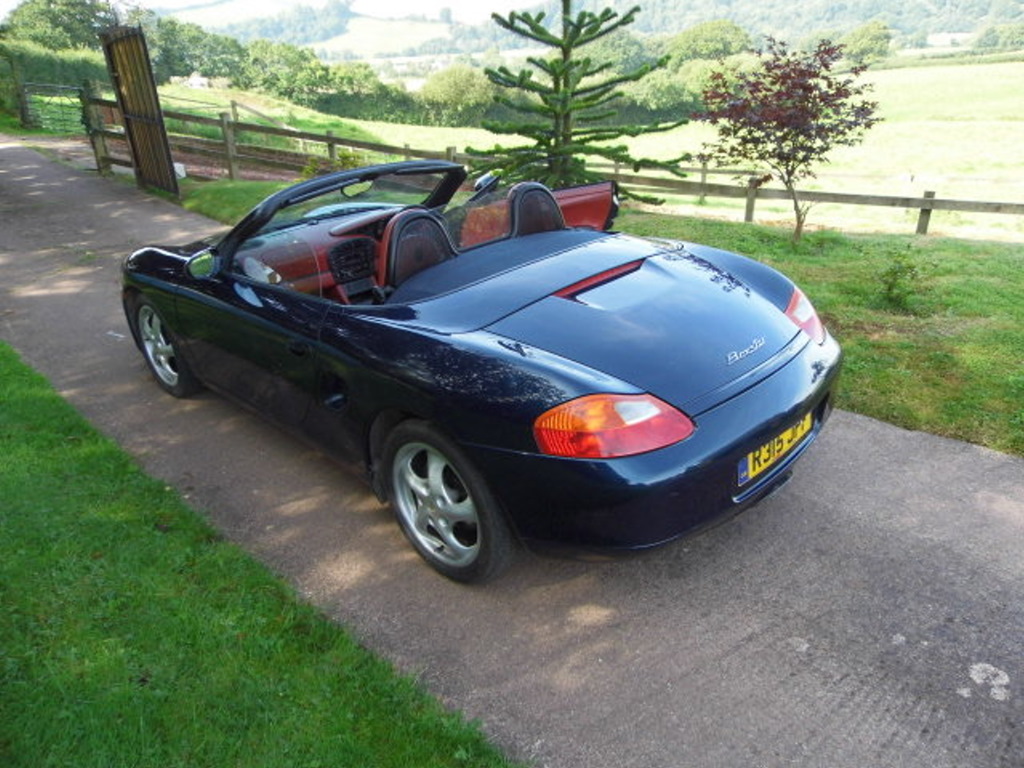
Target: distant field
{"points": [[368, 38], [210, 102], [956, 130], [220, 14], [951, 93]]}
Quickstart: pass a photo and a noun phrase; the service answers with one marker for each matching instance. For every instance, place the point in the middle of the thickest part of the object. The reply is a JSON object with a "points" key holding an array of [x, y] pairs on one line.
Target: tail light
{"points": [[801, 312], [609, 426]]}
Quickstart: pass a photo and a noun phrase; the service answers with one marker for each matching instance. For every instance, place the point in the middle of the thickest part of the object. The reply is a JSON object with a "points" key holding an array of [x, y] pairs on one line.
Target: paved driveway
{"points": [[870, 614]]}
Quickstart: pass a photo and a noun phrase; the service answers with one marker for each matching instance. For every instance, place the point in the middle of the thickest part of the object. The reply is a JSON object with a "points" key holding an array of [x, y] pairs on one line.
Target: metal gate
{"points": [[52, 107], [132, 76]]}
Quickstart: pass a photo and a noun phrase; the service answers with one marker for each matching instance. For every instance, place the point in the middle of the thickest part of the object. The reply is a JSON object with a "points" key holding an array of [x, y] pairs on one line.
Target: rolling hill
{"points": [[317, 21]]}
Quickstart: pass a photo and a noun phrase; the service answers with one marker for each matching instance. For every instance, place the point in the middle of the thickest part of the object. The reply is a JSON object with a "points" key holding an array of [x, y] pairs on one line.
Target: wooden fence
{"points": [[227, 151]]}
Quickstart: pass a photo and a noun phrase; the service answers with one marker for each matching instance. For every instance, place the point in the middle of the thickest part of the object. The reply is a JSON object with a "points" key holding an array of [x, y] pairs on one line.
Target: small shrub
{"points": [[344, 159], [904, 280]]}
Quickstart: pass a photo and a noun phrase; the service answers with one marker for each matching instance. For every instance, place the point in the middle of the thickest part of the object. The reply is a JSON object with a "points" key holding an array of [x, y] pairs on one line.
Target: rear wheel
{"points": [[160, 349], [444, 505]]}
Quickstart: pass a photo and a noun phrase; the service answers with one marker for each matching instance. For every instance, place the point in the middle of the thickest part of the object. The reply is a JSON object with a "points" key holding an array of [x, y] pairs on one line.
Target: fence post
{"points": [[228, 130], [703, 182], [332, 149], [25, 106], [925, 216], [450, 154], [748, 214], [93, 119]]}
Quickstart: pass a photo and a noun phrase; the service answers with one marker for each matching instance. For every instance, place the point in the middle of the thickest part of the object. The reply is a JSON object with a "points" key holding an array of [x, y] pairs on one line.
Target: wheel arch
{"points": [[425, 508], [130, 296], [382, 425]]}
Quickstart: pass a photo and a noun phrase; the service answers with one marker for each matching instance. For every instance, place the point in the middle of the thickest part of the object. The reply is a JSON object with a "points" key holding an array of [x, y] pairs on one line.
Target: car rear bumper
{"points": [[646, 500]]}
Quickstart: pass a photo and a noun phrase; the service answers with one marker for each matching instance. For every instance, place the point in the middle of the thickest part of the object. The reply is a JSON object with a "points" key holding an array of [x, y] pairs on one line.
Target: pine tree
{"points": [[568, 102]]}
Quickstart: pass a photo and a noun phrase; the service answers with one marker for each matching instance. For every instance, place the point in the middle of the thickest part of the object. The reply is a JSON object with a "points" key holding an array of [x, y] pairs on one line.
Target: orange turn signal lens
{"points": [[609, 426]]}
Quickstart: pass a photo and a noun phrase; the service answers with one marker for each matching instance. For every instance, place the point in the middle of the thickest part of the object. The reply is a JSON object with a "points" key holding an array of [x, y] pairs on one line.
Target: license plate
{"points": [[762, 459]]}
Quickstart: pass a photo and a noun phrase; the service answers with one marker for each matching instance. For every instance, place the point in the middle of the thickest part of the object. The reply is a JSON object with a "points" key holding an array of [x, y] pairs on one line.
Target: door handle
{"points": [[298, 348], [336, 402]]}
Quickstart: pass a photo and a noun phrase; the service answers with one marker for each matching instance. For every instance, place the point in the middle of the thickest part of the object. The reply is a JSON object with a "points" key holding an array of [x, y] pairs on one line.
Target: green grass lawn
{"points": [[133, 635]]}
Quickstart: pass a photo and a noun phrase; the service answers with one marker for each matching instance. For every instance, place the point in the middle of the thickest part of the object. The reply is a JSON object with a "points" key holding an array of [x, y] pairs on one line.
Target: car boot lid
{"points": [[673, 324]]}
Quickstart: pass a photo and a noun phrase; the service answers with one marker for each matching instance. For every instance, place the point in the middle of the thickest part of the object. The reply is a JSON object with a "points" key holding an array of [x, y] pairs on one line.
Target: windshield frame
{"points": [[448, 178]]}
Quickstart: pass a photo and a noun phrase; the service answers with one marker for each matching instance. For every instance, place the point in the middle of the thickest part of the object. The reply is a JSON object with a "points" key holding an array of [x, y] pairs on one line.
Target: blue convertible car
{"points": [[505, 366]]}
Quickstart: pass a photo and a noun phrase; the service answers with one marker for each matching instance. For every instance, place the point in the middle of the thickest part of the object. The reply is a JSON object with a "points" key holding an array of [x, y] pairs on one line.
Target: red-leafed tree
{"points": [[786, 114]]}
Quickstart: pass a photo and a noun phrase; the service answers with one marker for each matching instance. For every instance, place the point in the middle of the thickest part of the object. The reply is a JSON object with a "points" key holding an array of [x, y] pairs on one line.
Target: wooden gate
{"points": [[132, 76]]}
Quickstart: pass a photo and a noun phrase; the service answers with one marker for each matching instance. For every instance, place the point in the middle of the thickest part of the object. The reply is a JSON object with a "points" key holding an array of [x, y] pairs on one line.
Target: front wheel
{"points": [[160, 349], [444, 506]]}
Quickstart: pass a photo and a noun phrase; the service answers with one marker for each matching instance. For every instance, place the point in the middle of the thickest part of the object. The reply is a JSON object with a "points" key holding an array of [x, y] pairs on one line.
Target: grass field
{"points": [[367, 38], [954, 130], [134, 636]]}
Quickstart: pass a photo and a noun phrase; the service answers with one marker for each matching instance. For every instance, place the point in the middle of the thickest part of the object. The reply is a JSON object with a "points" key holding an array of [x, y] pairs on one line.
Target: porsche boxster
{"points": [[506, 366]]}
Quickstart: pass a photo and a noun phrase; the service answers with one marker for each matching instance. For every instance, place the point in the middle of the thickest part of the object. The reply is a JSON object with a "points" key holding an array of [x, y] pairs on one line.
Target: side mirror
{"points": [[486, 183], [484, 186], [356, 188], [202, 264]]}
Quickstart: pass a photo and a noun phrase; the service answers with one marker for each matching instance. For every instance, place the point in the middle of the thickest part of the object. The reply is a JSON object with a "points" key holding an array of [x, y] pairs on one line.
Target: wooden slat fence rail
{"points": [[924, 204], [231, 153]]}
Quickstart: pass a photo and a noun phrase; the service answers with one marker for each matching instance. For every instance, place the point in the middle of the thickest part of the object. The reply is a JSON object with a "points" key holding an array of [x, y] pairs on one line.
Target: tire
{"points": [[160, 349], [444, 506]]}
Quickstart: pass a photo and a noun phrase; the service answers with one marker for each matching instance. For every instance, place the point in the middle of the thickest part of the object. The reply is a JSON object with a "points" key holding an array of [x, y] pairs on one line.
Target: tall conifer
{"points": [[567, 102]]}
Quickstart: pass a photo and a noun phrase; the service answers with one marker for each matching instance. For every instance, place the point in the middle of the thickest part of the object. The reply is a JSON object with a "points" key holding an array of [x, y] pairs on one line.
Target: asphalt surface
{"points": [[869, 614]]}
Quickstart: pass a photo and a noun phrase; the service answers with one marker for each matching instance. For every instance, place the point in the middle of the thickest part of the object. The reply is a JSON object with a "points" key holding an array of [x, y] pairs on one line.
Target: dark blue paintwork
{"points": [[480, 345]]}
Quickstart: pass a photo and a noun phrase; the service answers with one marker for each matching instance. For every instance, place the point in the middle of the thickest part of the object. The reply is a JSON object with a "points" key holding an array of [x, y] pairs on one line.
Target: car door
{"points": [[350, 387], [252, 333], [593, 206]]}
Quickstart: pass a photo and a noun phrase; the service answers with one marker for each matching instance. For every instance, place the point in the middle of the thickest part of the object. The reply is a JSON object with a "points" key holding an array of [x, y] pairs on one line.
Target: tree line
{"points": [[460, 94], [910, 21], [818, 19]]}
